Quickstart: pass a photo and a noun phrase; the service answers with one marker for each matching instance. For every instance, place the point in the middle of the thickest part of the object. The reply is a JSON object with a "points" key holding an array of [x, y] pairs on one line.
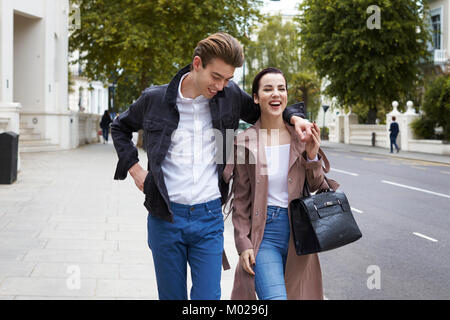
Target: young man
{"points": [[183, 185]]}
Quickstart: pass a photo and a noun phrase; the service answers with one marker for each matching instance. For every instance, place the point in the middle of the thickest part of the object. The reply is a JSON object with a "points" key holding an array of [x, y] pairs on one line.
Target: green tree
{"points": [[305, 86], [366, 66], [436, 108], [136, 43], [278, 45]]}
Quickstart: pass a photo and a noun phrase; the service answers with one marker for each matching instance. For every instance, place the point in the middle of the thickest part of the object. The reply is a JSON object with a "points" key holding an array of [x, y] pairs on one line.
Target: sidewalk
{"points": [[386, 152], [69, 231]]}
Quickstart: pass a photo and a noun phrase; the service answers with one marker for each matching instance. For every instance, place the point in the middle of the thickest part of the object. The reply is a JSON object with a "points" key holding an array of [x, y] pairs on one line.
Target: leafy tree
{"points": [[305, 86], [136, 43], [367, 66], [436, 109], [278, 45]]}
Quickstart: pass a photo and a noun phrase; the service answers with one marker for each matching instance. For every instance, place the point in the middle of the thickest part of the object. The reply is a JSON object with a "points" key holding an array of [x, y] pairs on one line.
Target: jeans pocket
{"points": [[216, 212]]}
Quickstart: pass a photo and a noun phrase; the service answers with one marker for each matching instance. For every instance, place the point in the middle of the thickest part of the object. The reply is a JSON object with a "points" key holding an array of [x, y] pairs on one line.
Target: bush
{"points": [[436, 109], [423, 128]]}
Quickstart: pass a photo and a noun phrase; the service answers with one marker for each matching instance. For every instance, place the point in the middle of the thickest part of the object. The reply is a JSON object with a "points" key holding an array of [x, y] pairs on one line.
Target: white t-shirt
{"points": [[278, 167]]}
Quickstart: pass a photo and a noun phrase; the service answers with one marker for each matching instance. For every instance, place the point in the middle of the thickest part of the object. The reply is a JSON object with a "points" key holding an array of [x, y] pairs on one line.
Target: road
{"points": [[402, 208]]}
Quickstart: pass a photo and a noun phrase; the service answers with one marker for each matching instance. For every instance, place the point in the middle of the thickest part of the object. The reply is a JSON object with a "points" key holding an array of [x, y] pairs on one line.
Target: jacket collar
{"points": [[253, 140]]}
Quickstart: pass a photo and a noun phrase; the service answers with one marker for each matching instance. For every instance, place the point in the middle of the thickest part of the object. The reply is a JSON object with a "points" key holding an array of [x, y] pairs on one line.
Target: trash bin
{"points": [[9, 152]]}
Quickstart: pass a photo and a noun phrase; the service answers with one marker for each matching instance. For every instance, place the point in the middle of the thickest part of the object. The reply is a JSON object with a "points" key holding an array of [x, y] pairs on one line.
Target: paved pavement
{"points": [[69, 231]]}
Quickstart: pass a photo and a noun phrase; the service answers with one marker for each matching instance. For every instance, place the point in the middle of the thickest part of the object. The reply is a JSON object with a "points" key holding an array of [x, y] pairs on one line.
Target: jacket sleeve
{"points": [[241, 208], [121, 131], [315, 172], [250, 112]]}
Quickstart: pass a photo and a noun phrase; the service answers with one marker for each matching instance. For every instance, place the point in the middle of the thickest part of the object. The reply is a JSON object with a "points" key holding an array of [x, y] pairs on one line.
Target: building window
{"points": [[436, 25]]}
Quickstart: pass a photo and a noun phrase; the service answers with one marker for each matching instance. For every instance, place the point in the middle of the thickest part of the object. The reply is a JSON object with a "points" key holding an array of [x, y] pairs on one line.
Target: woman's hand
{"points": [[313, 144], [248, 259]]}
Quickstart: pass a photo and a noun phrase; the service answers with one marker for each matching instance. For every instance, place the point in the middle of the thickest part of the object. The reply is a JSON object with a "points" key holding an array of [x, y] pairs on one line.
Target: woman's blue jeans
{"points": [[272, 256]]}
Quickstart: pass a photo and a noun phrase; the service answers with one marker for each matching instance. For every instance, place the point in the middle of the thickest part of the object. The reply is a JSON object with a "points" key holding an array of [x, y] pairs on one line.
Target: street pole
{"points": [[325, 108]]}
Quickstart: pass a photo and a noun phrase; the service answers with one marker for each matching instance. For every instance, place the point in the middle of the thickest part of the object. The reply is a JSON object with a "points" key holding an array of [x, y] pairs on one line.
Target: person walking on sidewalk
{"points": [[104, 124], [183, 185], [393, 135], [263, 186]]}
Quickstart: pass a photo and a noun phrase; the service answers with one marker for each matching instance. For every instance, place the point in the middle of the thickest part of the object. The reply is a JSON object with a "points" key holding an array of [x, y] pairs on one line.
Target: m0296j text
{"points": [[247, 309]]}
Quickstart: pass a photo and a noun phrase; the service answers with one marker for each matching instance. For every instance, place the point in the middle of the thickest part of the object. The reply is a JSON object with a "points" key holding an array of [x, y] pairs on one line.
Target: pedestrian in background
{"points": [[104, 124], [262, 188], [393, 135]]}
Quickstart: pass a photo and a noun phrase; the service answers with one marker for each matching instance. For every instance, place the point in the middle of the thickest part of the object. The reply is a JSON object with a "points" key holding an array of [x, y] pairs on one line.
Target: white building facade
{"points": [[86, 96], [34, 100], [440, 27]]}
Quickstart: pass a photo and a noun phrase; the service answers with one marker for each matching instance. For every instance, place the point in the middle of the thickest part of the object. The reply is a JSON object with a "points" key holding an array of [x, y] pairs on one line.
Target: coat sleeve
{"points": [[315, 172], [121, 131], [241, 208], [250, 112]]}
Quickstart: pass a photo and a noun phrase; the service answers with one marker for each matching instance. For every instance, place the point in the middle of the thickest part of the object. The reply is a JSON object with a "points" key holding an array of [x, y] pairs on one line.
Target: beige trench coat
{"points": [[303, 276]]}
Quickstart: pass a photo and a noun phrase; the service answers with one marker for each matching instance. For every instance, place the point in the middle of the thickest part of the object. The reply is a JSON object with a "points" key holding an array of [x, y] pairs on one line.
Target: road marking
{"points": [[424, 236], [345, 172], [356, 210], [373, 159], [446, 172], [417, 189]]}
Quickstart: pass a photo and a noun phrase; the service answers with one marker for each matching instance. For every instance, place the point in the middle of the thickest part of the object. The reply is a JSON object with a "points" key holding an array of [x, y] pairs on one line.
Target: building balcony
{"points": [[440, 56]]}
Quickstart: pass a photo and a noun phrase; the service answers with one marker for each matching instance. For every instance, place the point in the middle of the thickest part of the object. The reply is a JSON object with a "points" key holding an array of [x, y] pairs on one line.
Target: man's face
{"points": [[213, 78]]}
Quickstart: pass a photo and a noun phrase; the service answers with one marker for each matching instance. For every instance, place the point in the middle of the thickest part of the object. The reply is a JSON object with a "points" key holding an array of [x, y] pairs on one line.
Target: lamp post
{"points": [[325, 108]]}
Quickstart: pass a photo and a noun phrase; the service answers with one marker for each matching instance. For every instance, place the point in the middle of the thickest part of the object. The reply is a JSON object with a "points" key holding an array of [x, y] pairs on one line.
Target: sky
{"points": [[287, 7]]}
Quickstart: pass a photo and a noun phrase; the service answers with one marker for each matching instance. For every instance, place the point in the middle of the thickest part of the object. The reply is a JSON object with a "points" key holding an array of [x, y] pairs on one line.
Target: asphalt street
{"points": [[402, 208]]}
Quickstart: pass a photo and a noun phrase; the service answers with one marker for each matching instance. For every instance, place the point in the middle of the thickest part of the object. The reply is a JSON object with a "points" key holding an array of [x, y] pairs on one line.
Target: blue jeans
{"points": [[105, 132], [272, 255], [195, 237], [394, 143]]}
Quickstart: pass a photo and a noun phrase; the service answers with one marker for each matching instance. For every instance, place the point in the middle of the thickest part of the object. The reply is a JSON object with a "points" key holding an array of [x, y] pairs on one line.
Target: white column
{"points": [[6, 52], [397, 114], [350, 118], [404, 124]]}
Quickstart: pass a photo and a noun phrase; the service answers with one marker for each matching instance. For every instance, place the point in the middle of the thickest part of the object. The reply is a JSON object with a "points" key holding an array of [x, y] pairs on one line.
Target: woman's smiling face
{"points": [[272, 94]]}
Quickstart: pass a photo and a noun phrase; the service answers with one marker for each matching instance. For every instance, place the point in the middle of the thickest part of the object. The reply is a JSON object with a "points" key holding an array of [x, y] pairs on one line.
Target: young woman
{"points": [[269, 169]]}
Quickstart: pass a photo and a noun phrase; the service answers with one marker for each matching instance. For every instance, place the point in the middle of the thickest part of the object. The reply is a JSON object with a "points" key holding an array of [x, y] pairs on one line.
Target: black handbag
{"points": [[323, 221]]}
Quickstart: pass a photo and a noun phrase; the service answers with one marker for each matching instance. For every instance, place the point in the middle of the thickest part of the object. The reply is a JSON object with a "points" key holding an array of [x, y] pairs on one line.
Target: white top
{"points": [[277, 168], [189, 169]]}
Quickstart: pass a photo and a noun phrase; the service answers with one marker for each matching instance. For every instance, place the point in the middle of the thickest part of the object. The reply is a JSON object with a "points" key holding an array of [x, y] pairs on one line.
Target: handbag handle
{"points": [[308, 191]]}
